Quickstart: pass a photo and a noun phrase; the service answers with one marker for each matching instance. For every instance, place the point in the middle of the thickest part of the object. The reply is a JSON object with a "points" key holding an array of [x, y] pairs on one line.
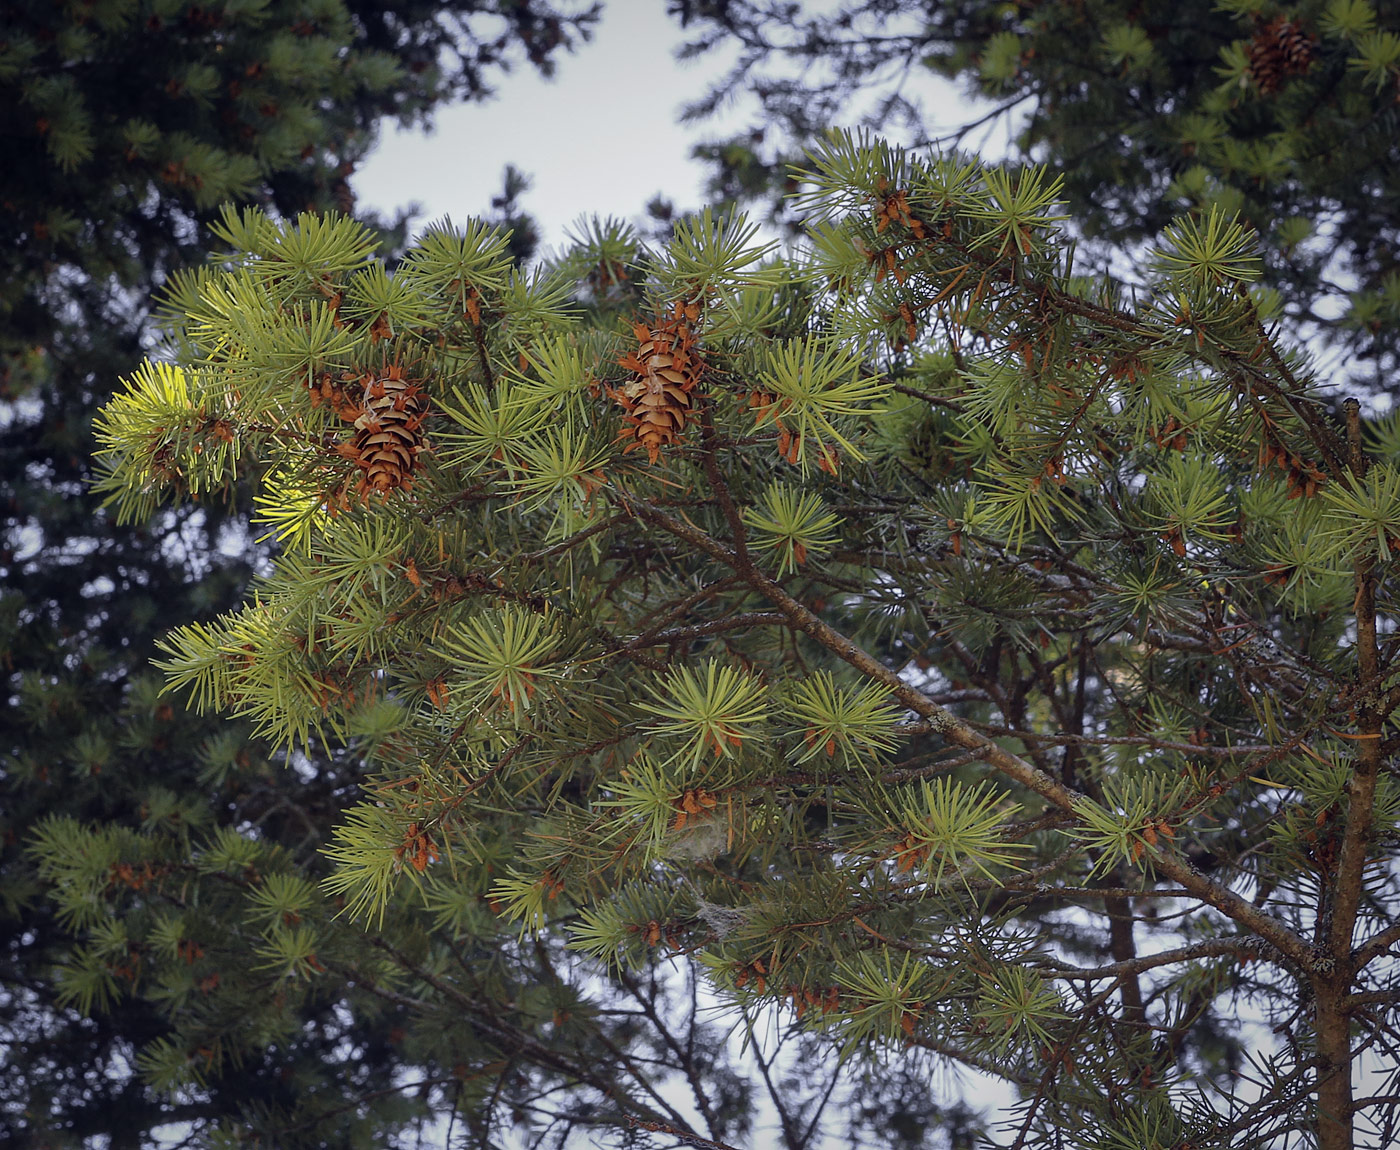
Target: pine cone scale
{"points": [[657, 403], [388, 434]]}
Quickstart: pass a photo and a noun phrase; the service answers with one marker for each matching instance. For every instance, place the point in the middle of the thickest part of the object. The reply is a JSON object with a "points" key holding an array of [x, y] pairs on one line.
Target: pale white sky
{"points": [[598, 139], [601, 138]]}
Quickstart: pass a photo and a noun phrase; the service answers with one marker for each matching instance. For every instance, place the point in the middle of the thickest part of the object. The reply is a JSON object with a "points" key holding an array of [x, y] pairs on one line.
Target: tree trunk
{"points": [[1334, 1072]]}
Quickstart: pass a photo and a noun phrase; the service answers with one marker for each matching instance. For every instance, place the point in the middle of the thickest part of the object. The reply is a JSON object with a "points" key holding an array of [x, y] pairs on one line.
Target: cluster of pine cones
{"points": [[1279, 49]]}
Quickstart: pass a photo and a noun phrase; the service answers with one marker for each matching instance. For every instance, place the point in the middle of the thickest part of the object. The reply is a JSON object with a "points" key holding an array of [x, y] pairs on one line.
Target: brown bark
{"points": [[1342, 895], [1124, 949], [1334, 1102], [955, 731]]}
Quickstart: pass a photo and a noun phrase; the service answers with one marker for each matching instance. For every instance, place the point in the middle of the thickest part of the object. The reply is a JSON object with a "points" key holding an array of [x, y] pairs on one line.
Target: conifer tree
{"points": [[975, 662], [1281, 111], [126, 123], [129, 122]]}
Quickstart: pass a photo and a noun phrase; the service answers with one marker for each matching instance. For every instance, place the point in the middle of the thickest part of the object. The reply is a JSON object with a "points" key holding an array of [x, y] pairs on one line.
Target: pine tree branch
{"points": [[973, 1059], [1094, 893], [1341, 896], [1055, 1060], [684, 1056], [927, 397], [819, 1108], [1376, 1100], [1212, 948], [953, 730], [1371, 998], [1204, 750], [1375, 946], [486, 1021], [941, 721], [1337, 451], [1249, 377], [774, 1095], [314, 1120], [483, 356], [679, 608], [572, 541], [688, 1137], [954, 139], [1228, 903], [1390, 702], [745, 621]]}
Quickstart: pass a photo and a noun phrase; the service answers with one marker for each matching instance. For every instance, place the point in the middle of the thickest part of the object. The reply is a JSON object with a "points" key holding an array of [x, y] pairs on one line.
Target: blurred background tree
{"points": [[126, 123]]}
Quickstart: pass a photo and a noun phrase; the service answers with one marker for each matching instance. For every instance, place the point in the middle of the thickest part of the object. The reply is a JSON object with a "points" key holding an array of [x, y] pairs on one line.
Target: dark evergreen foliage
{"points": [[124, 124]]}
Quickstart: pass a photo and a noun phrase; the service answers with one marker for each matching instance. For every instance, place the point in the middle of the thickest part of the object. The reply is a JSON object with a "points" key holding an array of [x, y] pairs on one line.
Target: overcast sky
{"points": [[601, 138]]}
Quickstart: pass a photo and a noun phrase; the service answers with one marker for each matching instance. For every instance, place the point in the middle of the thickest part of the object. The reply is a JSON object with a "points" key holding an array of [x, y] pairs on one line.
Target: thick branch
{"points": [[1342, 897], [1212, 948], [1347, 884], [954, 730], [1375, 946]]}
